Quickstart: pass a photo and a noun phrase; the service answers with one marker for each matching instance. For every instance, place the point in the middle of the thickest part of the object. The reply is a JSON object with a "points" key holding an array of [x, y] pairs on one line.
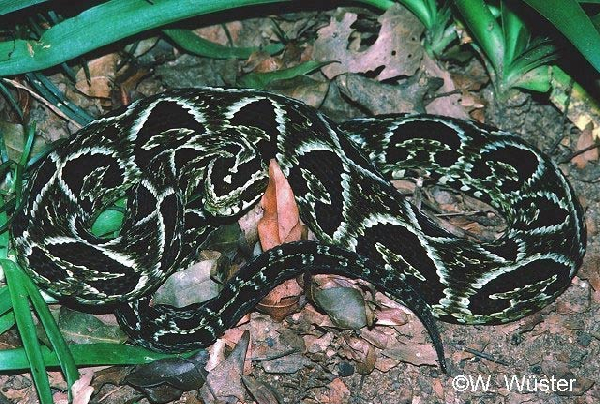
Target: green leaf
{"points": [[9, 6], [485, 29], [516, 35], [66, 361], [538, 79], [101, 25], [260, 81], [24, 320], [191, 42], [7, 321], [108, 223], [570, 19], [5, 303], [86, 355]]}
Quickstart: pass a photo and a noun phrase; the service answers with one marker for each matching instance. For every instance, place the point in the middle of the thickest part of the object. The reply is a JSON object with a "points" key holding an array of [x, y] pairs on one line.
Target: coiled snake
{"points": [[190, 160]]}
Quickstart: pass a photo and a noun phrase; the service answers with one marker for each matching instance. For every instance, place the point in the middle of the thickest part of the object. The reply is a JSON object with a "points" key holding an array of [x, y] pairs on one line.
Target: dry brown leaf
{"points": [[417, 354], [82, 391], [102, 74], [338, 393], [586, 139], [280, 224], [281, 301], [361, 352], [397, 51], [281, 220], [449, 105], [384, 364], [391, 317], [224, 382], [315, 344]]}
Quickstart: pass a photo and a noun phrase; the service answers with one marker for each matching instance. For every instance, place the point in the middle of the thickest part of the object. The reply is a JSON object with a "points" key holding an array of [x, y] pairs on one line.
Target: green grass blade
{"points": [[570, 19], [18, 191], [5, 303], [87, 355], [380, 4], [52, 94], [4, 235], [421, 9], [516, 35], [101, 25], [7, 321], [262, 80], [65, 358], [192, 43], [10, 6], [11, 100], [26, 327]]}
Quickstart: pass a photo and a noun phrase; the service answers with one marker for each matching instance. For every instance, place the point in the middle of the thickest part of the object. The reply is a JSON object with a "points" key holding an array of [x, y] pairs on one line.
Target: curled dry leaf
{"points": [[279, 224], [448, 105], [261, 392], [282, 300], [281, 219], [363, 353], [102, 75], [224, 382], [397, 51], [82, 390], [586, 139], [417, 354]]}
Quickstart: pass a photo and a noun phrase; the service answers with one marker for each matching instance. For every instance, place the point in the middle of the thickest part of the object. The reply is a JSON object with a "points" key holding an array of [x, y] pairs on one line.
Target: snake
{"points": [[190, 160]]}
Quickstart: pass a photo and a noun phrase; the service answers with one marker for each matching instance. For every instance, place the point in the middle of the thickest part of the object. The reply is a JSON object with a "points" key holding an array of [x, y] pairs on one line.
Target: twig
{"points": [[440, 95], [578, 152], [486, 356]]}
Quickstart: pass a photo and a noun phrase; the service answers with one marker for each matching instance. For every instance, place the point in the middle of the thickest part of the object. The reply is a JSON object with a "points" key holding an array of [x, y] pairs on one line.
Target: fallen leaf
{"points": [[417, 354], [101, 76], [586, 139], [81, 389], [282, 300], [280, 224], [165, 379], [397, 51], [338, 392], [224, 382], [281, 220], [345, 306], [449, 104], [262, 393], [192, 285]]}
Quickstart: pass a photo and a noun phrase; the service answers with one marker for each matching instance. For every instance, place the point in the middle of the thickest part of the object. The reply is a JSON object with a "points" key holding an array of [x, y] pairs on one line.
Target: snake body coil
{"points": [[190, 160]]}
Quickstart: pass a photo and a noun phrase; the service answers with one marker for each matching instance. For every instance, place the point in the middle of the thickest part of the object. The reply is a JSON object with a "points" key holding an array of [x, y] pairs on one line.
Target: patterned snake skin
{"points": [[190, 160]]}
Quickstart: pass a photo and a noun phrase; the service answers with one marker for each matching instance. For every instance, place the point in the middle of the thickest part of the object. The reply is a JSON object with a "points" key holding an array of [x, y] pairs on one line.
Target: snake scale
{"points": [[190, 160]]}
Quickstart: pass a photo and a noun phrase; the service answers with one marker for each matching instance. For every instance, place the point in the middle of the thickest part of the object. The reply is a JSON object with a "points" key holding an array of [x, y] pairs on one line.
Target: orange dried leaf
{"points": [[102, 74], [281, 219], [585, 140]]}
